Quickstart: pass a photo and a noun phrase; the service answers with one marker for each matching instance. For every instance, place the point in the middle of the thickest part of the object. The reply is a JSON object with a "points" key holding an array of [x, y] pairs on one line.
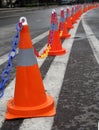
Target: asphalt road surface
{"points": [[72, 79]]}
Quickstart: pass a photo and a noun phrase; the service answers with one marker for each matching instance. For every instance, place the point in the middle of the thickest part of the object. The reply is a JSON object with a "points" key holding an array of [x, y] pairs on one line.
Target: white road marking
{"points": [[94, 42]]}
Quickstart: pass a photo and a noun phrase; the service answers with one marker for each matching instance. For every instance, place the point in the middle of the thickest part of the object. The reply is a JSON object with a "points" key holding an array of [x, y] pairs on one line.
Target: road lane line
{"points": [[41, 36], [93, 41]]}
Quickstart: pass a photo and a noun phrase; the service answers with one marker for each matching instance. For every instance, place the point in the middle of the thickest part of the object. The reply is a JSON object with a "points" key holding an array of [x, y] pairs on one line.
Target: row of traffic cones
{"points": [[66, 23], [30, 99], [54, 38]]}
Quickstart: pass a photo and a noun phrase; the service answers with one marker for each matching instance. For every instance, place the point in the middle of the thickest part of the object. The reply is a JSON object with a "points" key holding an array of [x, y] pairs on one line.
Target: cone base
{"points": [[73, 22], [70, 26], [65, 36], [46, 109], [57, 52]]}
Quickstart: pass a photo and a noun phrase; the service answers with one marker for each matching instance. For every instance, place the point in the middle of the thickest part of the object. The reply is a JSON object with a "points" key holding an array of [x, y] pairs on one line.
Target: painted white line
{"points": [[41, 36], [52, 82], [94, 42], [4, 58]]}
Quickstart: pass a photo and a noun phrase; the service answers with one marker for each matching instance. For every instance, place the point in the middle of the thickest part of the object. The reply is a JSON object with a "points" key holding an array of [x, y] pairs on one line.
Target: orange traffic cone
{"points": [[73, 15], [53, 38], [85, 9], [79, 11], [68, 19], [30, 99], [63, 26], [76, 12]]}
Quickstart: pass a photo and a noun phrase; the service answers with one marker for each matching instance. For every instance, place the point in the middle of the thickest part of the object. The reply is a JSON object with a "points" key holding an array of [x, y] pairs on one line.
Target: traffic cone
{"points": [[63, 26], [80, 11], [68, 19], [53, 38], [85, 9], [30, 99], [73, 15], [76, 12]]}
